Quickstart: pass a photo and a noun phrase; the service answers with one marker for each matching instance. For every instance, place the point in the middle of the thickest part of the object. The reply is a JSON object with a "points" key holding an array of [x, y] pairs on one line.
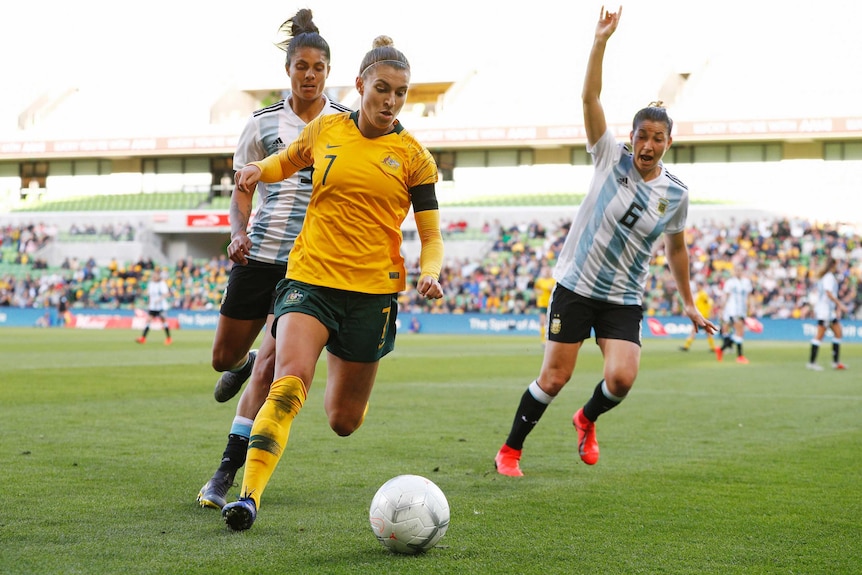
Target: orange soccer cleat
{"points": [[506, 462], [588, 447]]}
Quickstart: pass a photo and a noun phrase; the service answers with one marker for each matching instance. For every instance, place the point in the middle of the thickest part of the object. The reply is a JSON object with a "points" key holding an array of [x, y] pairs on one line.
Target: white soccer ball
{"points": [[409, 514]]}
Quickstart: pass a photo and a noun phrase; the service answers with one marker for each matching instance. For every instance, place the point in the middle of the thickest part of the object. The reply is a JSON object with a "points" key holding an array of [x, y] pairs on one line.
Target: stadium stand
{"points": [[780, 255]]}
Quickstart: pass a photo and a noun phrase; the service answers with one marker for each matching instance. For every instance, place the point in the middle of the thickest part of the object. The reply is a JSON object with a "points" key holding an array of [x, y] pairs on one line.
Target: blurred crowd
{"points": [[24, 241], [781, 257], [116, 232], [195, 285]]}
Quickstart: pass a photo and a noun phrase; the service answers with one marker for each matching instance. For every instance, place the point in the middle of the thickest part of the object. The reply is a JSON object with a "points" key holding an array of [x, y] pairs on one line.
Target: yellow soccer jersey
{"points": [[703, 303], [351, 237], [544, 286]]}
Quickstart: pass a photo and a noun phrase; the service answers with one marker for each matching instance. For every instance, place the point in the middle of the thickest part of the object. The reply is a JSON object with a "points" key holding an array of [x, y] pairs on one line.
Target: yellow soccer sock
{"points": [[710, 341], [269, 434]]}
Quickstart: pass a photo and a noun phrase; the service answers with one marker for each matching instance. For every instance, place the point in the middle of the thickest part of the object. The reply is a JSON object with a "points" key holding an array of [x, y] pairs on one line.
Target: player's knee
{"points": [[552, 381], [342, 427], [224, 359], [345, 422], [620, 381]]}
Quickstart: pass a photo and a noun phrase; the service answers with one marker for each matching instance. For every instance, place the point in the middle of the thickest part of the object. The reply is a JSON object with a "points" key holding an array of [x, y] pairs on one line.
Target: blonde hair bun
{"points": [[382, 41]]}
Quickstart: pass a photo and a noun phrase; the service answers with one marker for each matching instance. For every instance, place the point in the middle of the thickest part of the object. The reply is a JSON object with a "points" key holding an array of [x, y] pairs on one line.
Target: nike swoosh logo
{"points": [[329, 146]]}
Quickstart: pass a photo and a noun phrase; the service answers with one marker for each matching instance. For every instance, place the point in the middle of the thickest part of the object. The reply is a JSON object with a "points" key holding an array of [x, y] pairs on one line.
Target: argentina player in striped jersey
{"points": [[827, 311], [602, 268], [737, 303]]}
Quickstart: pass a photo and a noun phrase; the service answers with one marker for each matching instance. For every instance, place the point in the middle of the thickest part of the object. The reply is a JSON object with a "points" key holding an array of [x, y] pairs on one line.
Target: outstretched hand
{"points": [[608, 22], [699, 321]]}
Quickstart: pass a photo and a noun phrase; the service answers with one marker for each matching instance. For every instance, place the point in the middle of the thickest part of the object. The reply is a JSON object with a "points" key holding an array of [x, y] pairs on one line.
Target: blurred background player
{"points": [[346, 268], [826, 310], [64, 316], [543, 286], [737, 294], [260, 258], [158, 294], [704, 304], [602, 268]]}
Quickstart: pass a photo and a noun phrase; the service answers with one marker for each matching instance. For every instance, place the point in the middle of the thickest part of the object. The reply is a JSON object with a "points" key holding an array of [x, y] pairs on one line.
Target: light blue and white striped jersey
{"points": [[157, 295], [282, 205], [607, 251], [736, 292], [825, 308]]}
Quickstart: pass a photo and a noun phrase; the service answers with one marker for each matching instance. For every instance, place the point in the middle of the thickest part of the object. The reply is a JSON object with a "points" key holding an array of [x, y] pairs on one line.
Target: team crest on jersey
{"points": [[556, 325], [391, 162], [293, 298], [662, 205]]}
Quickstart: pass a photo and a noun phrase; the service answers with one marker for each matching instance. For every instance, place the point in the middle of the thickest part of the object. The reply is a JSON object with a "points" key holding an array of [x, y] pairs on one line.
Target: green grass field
{"points": [[706, 468]]}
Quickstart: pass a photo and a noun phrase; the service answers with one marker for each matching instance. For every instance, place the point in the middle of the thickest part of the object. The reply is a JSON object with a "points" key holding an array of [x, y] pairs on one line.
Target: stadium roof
{"points": [[759, 69]]}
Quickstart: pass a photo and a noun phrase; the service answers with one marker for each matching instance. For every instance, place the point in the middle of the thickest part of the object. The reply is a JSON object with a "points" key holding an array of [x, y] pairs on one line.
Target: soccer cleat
{"points": [[214, 491], [839, 365], [140, 339], [742, 360], [588, 447], [240, 515], [231, 382], [506, 462], [683, 348], [719, 353], [168, 341], [814, 367]]}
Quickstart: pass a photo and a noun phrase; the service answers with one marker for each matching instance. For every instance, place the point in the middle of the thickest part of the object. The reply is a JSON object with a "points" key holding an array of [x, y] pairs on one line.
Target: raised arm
{"points": [[594, 114]]}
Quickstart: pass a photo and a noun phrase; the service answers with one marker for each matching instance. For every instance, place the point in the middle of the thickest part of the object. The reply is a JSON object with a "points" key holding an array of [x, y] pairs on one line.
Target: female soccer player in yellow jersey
{"points": [[704, 304], [260, 252], [346, 268]]}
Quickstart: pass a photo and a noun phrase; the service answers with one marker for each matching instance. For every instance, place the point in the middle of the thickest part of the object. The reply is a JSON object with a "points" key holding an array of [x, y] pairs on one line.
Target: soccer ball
{"points": [[409, 514]]}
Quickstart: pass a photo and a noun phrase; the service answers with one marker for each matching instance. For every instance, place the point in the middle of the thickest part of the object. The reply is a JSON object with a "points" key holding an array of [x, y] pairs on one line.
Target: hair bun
{"points": [[303, 22], [381, 41]]}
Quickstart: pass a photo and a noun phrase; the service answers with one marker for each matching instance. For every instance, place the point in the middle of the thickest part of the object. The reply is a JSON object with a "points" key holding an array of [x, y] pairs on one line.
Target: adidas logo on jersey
{"points": [[279, 144]]}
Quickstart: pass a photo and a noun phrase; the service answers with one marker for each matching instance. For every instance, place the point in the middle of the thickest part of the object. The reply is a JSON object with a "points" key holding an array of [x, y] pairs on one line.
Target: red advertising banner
{"points": [[87, 320], [208, 220]]}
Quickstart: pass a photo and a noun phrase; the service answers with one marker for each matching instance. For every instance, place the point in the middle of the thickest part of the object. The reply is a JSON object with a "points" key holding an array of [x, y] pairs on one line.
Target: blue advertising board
{"points": [[479, 324]]}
